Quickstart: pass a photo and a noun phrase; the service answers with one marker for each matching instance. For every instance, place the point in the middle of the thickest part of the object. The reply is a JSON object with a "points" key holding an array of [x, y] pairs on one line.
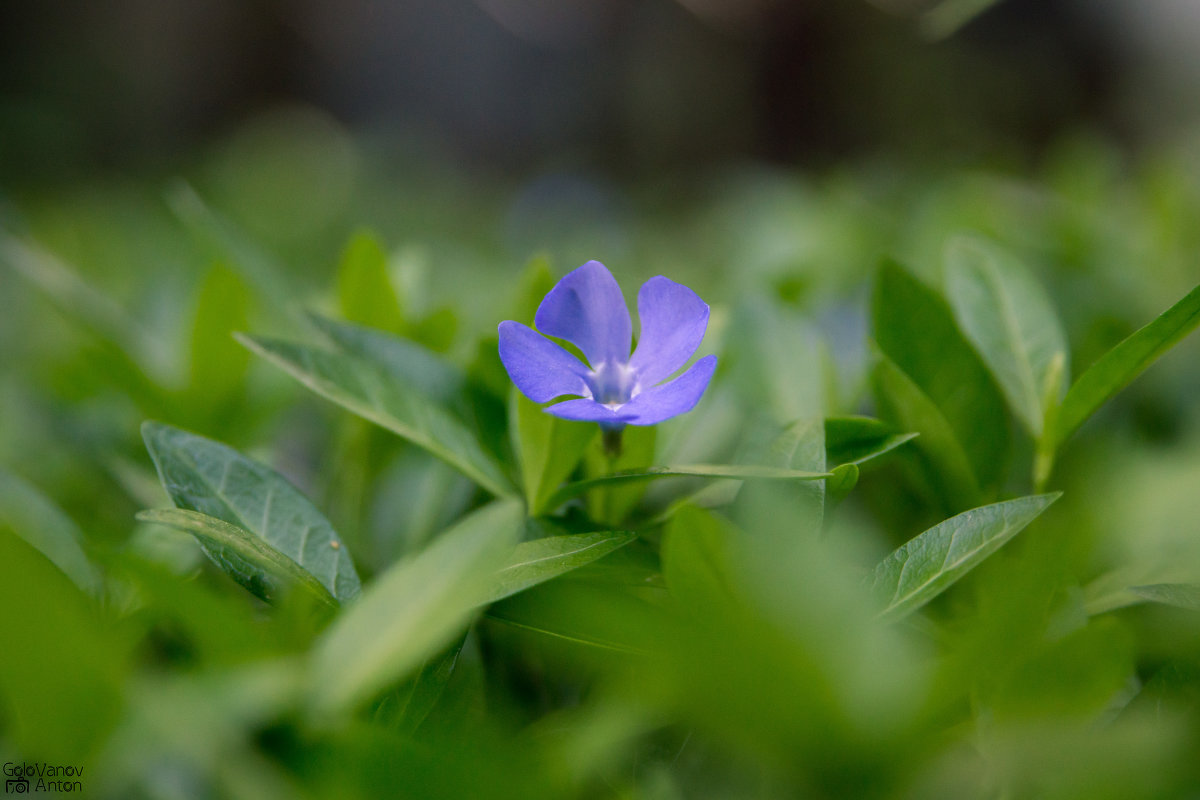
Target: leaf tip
{"points": [[152, 430]]}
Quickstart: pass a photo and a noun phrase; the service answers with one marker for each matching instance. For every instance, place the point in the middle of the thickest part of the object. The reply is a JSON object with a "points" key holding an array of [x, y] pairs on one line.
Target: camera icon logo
{"points": [[16, 786]]}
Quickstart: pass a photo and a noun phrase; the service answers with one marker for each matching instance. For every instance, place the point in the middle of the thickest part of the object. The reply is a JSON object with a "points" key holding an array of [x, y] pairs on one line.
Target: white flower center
{"points": [[613, 384]]}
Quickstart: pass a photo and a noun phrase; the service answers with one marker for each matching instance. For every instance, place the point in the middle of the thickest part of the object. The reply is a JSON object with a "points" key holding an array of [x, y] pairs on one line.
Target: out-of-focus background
{"points": [[617, 87]]}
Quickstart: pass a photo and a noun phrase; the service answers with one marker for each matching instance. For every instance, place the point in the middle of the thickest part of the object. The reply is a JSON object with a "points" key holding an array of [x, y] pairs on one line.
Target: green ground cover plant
{"points": [[276, 522]]}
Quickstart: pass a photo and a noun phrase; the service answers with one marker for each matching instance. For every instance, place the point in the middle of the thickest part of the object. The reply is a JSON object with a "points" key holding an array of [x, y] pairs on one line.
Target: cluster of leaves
{"points": [[773, 595]]}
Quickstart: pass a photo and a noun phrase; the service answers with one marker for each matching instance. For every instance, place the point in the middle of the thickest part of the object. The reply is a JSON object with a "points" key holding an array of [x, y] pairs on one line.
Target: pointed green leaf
{"points": [[217, 365], [246, 558], [845, 478], [548, 448], [1114, 370], [412, 610], [739, 471], [401, 358], [31, 516], [913, 326], [857, 440], [206, 476], [373, 394], [1005, 314], [540, 560], [366, 294], [1182, 595], [928, 564], [948, 467]]}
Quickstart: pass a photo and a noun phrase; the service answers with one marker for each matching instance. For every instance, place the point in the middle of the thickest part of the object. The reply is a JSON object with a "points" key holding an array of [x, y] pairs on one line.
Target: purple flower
{"points": [[588, 310]]}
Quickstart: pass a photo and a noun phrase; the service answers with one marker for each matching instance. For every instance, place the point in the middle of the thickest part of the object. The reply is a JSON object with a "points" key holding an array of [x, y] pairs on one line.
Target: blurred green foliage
{"points": [[529, 627]]}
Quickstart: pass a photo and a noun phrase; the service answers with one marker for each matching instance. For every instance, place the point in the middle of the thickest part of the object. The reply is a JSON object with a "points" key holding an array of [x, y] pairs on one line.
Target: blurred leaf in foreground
{"points": [[62, 670], [411, 611]]}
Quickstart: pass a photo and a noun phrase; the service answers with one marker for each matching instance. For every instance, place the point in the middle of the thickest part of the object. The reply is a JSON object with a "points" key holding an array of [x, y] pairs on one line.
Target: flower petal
{"points": [[588, 310], [589, 411], [673, 397], [539, 367], [674, 319]]}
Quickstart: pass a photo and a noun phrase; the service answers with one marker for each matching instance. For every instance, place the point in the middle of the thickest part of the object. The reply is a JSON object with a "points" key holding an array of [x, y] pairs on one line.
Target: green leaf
{"points": [[407, 707], [403, 359], [1076, 673], [1005, 314], [217, 365], [206, 476], [1113, 371], [535, 282], [739, 471], [607, 617], [548, 449], [437, 329], [801, 445], [366, 294], [782, 511], [845, 478], [226, 242], [245, 557], [64, 674], [696, 559], [412, 610], [540, 560], [85, 305], [925, 566], [1182, 595], [556, 629], [947, 465], [43, 525], [914, 328], [712, 495], [857, 440], [373, 394]]}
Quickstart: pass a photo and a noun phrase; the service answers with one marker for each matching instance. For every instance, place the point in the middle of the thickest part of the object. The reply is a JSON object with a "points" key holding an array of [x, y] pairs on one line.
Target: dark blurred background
{"points": [[616, 86]]}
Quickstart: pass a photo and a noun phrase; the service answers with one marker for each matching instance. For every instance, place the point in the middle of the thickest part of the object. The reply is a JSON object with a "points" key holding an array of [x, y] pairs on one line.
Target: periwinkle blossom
{"points": [[614, 388]]}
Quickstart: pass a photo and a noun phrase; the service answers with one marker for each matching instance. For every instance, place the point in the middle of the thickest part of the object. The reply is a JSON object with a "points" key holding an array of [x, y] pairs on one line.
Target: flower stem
{"points": [[611, 439]]}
